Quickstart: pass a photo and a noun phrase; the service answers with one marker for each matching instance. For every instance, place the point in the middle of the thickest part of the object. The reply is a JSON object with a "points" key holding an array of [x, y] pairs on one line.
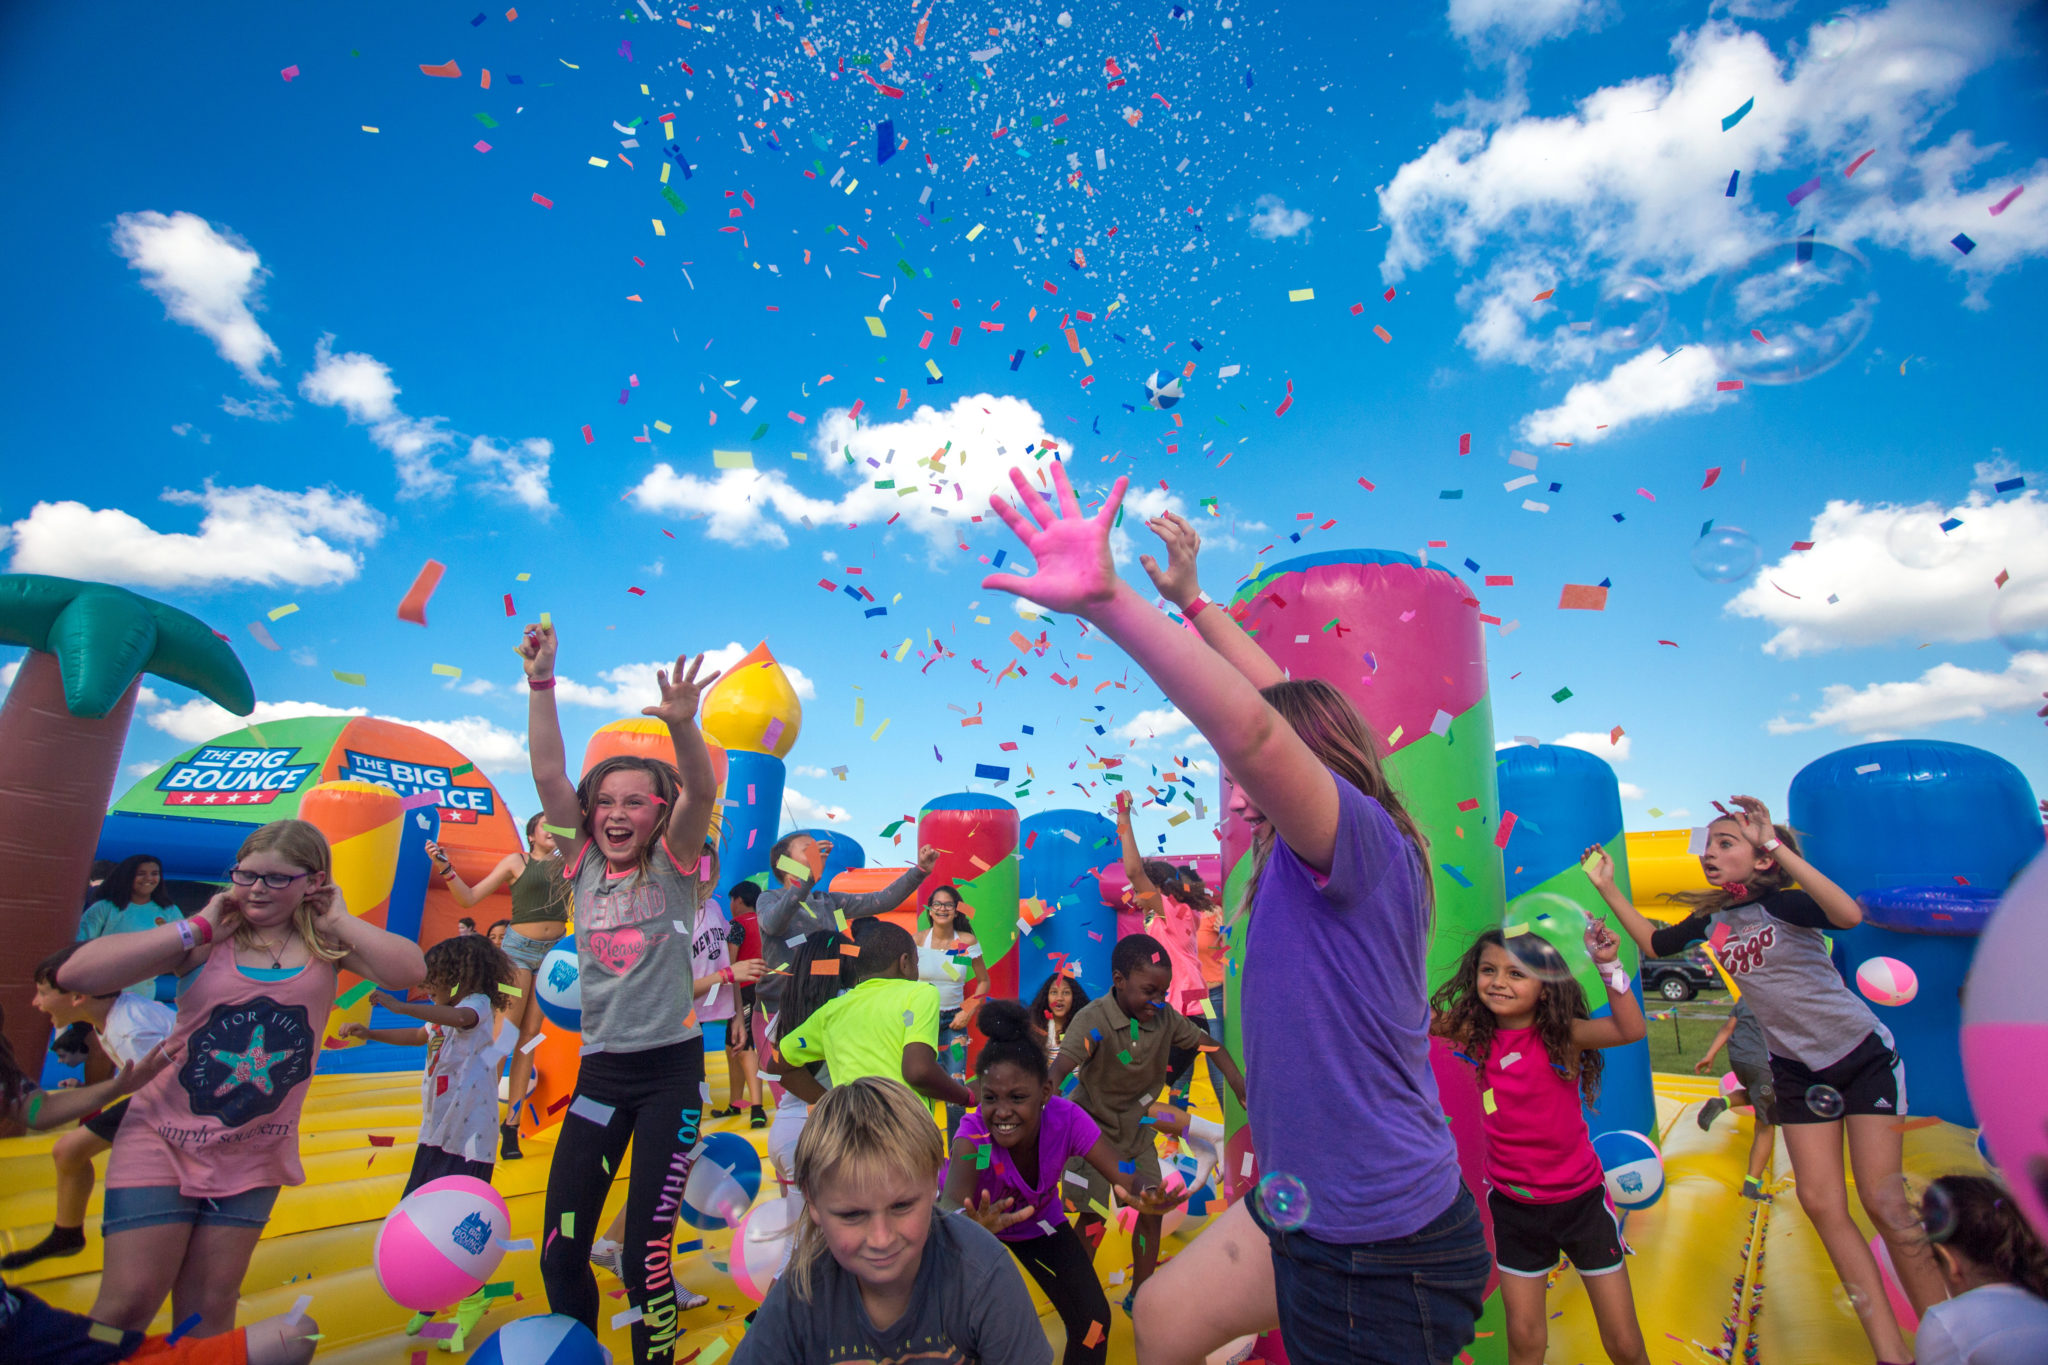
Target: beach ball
{"points": [[1170, 1181], [2005, 1037], [1162, 395], [441, 1243], [762, 1242], [550, 1339], [724, 1177], [1206, 1201], [1730, 1084], [1633, 1167], [559, 986], [1887, 981]]}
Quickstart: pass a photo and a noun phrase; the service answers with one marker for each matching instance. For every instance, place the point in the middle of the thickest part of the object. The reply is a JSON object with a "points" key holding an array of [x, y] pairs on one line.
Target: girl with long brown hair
{"points": [[1335, 1010]]}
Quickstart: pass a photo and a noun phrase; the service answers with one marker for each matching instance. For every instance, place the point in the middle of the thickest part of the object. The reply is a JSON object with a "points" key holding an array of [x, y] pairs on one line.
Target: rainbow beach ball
{"points": [[1633, 1167], [550, 1339], [722, 1183], [441, 1243], [558, 985], [1887, 981]]}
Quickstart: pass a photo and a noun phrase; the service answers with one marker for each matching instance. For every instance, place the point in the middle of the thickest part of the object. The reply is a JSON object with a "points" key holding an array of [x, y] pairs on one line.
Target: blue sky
{"points": [[265, 356]]}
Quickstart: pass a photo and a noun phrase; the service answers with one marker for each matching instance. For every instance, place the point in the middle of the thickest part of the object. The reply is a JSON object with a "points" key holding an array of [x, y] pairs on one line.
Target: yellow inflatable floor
{"points": [[1710, 1269]]}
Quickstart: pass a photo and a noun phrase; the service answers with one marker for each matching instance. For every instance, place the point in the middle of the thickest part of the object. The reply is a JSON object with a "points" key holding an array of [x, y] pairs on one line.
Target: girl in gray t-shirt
{"points": [[1832, 1065]]}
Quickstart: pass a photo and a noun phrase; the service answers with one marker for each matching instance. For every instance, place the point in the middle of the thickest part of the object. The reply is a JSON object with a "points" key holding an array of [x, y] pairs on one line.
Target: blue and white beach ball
{"points": [[722, 1183], [550, 1339], [1633, 1166], [559, 986]]}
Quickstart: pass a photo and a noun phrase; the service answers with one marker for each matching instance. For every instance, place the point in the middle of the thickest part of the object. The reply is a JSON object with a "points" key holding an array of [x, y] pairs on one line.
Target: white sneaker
{"points": [[610, 1256], [688, 1300]]}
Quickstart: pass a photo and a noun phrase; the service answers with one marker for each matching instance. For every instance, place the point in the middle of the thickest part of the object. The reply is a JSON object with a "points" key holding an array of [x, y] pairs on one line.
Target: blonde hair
{"points": [[869, 1126], [1773, 878], [1343, 742], [295, 841]]}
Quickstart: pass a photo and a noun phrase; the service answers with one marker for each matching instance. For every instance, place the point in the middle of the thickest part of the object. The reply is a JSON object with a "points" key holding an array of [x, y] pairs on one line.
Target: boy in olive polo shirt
{"points": [[886, 1025], [1119, 1043]]}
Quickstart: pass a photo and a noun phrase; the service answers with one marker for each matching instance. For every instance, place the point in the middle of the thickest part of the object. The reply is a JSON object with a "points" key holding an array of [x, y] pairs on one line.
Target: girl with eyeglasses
{"points": [[207, 1145]]}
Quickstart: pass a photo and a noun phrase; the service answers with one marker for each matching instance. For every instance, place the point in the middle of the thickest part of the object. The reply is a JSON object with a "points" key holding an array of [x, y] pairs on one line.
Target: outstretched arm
{"points": [[41, 1109], [1624, 1023], [697, 800], [1706, 1062], [855, 904], [544, 731], [1178, 584], [504, 874], [1142, 889], [1599, 870], [1839, 906], [1077, 573]]}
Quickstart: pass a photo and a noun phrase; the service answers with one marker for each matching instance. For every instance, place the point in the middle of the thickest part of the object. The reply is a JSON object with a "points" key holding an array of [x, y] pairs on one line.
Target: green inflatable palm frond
{"points": [[105, 637]]}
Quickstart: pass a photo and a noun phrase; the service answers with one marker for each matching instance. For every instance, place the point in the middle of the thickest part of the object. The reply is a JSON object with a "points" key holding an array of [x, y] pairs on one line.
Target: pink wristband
{"points": [[1195, 608], [540, 684]]}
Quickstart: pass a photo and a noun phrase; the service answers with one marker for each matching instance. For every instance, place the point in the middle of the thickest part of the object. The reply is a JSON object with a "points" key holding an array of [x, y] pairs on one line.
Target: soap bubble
{"points": [[1852, 1298], [1916, 540], [1284, 1199], [2019, 615], [1066, 20], [1825, 1101], [1937, 1214], [1630, 313], [1834, 36], [1546, 933], [1791, 311], [1726, 554]]}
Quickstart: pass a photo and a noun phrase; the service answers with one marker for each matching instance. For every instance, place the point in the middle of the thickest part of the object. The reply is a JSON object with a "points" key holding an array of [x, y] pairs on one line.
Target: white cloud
{"points": [[811, 814], [1619, 182], [975, 441], [362, 387], [630, 687], [208, 278], [1897, 575], [1487, 25], [1162, 723], [1647, 386], [1597, 743], [1631, 792], [807, 770], [482, 742], [1944, 692], [1273, 220], [247, 535]]}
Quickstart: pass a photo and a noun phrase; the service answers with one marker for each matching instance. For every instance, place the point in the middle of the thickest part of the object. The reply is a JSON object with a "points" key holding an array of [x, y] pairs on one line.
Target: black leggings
{"points": [[1066, 1272], [656, 1103]]}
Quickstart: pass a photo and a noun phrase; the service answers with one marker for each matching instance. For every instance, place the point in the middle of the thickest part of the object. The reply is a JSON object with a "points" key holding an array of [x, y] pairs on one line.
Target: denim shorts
{"points": [[526, 952], [149, 1206], [1405, 1301]]}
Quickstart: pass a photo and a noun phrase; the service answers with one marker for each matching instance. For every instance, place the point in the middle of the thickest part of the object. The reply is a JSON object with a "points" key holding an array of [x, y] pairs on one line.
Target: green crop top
{"points": [[540, 893]]}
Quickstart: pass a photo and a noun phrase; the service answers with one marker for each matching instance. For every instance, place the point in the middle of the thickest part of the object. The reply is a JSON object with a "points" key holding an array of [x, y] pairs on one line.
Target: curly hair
{"points": [[470, 964], [1772, 878], [1194, 892], [1041, 1004], [1461, 1017], [1011, 1038], [1985, 1224]]}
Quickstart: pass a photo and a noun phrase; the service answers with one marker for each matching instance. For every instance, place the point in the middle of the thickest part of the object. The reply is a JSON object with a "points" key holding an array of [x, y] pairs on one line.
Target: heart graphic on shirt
{"points": [[620, 950]]}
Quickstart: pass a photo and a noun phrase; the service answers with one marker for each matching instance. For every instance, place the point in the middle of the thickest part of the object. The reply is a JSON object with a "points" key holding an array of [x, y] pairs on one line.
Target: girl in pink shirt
{"points": [[206, 1145], [1515, 1013]]}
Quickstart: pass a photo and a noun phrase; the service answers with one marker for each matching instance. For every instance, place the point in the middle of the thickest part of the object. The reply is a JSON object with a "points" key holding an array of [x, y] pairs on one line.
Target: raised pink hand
{"points": [[1075, 570]]}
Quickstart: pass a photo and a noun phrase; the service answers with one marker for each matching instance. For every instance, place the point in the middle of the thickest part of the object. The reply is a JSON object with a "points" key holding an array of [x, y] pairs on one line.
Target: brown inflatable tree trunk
{"points": [[56, 772], [61, 732]]}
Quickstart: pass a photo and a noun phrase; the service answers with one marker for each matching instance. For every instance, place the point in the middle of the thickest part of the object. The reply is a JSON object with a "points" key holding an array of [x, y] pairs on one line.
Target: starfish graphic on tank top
{"points": [[249, 1067]]}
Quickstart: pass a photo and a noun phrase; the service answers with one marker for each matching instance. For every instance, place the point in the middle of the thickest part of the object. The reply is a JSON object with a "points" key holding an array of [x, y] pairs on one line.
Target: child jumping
{"points": [[1513, 1008], [128, 1025], [1336, 1040], [878, 1273], [1120, 1044], [1832, 1064], [198, 1162], [1750, 1060], [1009, 1165], [642, 1073]]}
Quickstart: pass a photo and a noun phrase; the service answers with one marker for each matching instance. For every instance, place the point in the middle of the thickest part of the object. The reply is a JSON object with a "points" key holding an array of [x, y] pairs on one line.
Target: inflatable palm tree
{"points": [[61, 731]]}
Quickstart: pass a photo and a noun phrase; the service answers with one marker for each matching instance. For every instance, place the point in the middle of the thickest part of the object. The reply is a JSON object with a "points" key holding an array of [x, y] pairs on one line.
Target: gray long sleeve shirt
{"points": [[791, 912]]}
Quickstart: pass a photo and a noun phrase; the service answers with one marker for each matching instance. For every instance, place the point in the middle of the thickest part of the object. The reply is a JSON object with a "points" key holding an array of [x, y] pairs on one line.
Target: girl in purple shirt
{"points": [[1009, 1160], [1341, 1098]]}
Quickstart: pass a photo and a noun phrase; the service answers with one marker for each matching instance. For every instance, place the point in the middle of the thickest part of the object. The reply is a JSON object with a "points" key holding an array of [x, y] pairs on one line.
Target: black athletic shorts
{"points": [[1763, 1094], [1870, 1080], [1528, 1238], [107, 1121]]}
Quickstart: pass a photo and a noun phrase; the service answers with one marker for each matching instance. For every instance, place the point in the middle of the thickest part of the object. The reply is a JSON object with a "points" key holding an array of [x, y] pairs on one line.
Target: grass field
{"points": [[1676, 1043]]}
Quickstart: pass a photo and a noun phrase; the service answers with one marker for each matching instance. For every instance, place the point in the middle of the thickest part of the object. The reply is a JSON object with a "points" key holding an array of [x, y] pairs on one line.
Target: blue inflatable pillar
{"points": [[1565, 800], [1927, 835], [1060, 853], [753, 812]]}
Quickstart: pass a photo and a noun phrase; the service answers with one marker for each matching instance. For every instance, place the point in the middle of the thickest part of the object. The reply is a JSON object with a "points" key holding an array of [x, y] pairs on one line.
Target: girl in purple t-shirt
{"points": [[1514, 1012], [1009, 1160], [1342, 1100]]}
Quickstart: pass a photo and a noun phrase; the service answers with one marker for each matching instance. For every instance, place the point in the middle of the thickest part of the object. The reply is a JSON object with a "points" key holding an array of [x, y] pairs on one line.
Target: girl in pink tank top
{"points": [[1171, 921], [199, 1158], [1514, 1011]]}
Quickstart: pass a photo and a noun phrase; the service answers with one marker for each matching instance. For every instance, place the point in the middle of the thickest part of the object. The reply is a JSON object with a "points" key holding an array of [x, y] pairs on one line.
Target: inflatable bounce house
{"points": [[1929, 837]]}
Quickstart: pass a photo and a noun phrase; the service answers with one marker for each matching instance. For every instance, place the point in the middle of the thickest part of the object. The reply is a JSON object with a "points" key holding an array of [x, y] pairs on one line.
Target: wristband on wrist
{"points": [[725, 975], [540, 684], [1617, 976], [188, 938], [202, 927], [1196, 607], [1771, 845]]}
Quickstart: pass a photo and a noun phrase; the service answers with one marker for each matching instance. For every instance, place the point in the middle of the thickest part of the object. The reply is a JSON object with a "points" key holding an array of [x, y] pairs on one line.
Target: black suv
{"points": [[1679, 978]]}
